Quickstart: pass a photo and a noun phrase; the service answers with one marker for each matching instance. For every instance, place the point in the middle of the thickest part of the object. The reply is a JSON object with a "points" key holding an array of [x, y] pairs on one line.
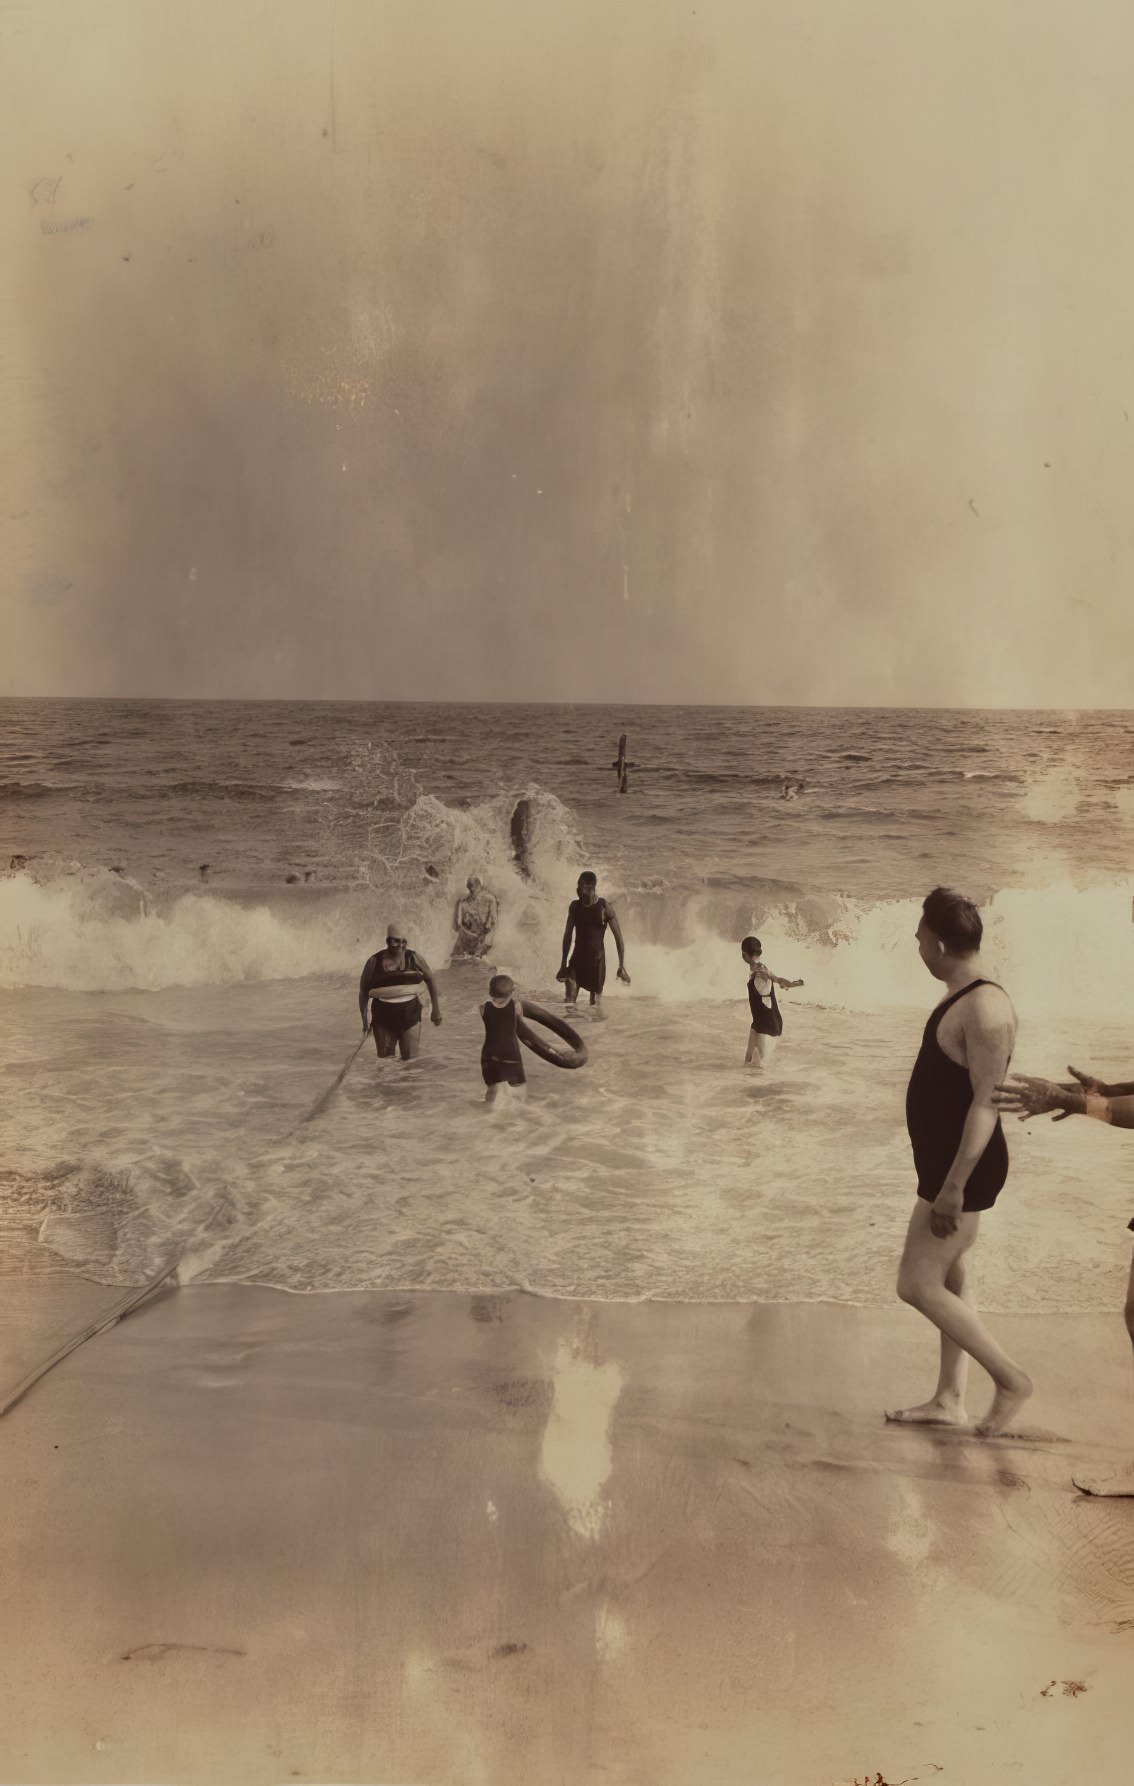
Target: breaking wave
{"points": [[1057, 947]]}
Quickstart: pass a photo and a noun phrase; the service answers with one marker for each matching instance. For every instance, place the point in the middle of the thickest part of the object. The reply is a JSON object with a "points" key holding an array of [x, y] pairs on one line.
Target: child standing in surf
{"points": [[500, 1060], [767, 1019], [587, 919]]}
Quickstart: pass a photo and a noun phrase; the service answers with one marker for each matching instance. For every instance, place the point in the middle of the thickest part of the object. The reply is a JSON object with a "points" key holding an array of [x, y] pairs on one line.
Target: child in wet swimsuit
{"points": [[500, 1060], [767, 1019]]}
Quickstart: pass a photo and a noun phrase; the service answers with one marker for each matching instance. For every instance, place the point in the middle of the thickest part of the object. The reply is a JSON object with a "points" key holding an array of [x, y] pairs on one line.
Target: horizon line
{"points": [[451, 701]]}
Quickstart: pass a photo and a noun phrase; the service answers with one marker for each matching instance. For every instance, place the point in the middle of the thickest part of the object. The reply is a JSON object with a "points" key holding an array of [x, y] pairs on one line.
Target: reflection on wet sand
{"points": [[503, 1539], [576, 1455]]}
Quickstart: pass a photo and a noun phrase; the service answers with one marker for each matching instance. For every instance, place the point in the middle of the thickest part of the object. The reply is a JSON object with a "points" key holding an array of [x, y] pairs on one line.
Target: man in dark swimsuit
{"points": [[1083, 1096], [587, 919], [961, 1159], [388, 984]]}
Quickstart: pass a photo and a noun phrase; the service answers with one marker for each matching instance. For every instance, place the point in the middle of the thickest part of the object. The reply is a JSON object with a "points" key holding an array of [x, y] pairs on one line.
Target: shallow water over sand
{"points": [[165, 1033], [164, 1125]]}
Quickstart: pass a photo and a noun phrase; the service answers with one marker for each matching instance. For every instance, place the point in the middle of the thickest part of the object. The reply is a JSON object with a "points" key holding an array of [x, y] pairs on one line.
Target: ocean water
{"points": [[166, 1031]]}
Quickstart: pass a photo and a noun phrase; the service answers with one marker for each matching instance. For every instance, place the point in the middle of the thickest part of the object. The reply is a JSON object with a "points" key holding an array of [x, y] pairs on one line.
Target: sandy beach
{"points": [[254, 1537]]}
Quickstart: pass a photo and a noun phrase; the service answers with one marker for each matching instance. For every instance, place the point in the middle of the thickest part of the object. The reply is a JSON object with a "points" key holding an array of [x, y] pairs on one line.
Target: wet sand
{"points": [[437, 1538]]}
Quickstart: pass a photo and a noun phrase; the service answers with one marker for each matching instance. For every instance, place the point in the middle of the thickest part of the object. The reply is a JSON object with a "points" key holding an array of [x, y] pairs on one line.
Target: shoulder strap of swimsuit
{"points": [[947, 1004]]}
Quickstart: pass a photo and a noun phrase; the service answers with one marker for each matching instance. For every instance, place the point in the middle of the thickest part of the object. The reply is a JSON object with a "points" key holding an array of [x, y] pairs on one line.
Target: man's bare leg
{"points": [[1115, 1481], [926, 1263], [946, 1406]]}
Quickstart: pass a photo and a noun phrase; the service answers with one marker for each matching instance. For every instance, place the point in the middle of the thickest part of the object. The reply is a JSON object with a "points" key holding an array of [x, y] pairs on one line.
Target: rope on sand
{"points": [[139, 1295], [126, 1304]]}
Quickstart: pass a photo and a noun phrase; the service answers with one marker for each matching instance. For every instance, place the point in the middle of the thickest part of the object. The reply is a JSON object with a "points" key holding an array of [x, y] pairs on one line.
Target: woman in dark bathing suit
{"points": [[767, 1021], [389, 985]]}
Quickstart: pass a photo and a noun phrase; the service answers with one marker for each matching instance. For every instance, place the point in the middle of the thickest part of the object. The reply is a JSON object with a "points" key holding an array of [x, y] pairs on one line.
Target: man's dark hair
{"points": [[501, 985], [587, 879], [955, 920], [752, 945]]}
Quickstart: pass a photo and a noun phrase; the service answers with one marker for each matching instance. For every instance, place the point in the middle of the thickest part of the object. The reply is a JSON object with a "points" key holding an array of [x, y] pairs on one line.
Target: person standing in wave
{"points": [[767, 1020], [474, 919], [962, 1162], [587, 920], [1084, 1096], [389, 984]]}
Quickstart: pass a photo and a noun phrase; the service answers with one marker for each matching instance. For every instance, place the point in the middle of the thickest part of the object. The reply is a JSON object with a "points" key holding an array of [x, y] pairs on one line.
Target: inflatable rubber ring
{"points": [[555, 1057]]}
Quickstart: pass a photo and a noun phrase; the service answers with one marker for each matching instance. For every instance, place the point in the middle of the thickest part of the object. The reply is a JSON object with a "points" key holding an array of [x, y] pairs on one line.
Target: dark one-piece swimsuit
{"points": [[587, 966], [767, 1020], [938, 1100], [500, 1059]]}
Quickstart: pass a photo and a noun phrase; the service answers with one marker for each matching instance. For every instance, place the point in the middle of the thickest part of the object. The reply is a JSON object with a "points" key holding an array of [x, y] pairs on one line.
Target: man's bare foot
{"points": [[1006, 1404], [940, 1411], [1116, 1481]]}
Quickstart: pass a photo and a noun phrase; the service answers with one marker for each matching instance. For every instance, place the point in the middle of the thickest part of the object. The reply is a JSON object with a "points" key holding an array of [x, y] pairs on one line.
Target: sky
{"points": [[752, 351]]}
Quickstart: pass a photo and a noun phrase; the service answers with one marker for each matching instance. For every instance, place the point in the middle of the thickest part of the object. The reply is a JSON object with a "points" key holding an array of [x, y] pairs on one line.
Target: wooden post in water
{"points": [[620, 764]]}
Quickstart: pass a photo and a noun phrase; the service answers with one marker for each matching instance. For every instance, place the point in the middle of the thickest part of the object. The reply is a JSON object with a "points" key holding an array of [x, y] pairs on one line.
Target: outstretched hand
{"points": [[1025, 1096], [1081, 1082]]}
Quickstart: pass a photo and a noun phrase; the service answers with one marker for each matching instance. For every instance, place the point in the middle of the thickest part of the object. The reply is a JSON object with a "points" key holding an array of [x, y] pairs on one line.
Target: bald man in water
{"points": [[1084, 1095]]}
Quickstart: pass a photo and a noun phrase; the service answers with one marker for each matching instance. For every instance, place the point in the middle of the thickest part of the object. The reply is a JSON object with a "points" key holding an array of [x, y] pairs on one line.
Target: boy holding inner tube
{"points": [[500, 1060], [507, 1022]]}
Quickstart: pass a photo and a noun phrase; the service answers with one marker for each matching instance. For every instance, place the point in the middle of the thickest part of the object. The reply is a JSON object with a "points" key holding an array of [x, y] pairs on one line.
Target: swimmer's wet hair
{"points": [[501, 985], [752, 946], [588, 879], [954, 920]]}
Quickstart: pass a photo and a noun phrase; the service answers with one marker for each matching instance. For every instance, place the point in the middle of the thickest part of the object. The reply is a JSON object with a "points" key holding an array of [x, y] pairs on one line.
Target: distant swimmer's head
{"points": [[17, 863], [474, 883], [501, 989], [751, 948], [950, 928], [587, 887]]}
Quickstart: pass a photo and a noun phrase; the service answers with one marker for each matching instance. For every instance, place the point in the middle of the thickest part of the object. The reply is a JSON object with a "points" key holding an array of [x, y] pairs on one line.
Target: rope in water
{"points": [[321, 1103], [135, 1298]]}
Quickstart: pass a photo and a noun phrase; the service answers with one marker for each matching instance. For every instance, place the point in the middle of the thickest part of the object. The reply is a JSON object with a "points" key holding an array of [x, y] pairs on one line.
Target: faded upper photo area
{"points": [[582, 352]]}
